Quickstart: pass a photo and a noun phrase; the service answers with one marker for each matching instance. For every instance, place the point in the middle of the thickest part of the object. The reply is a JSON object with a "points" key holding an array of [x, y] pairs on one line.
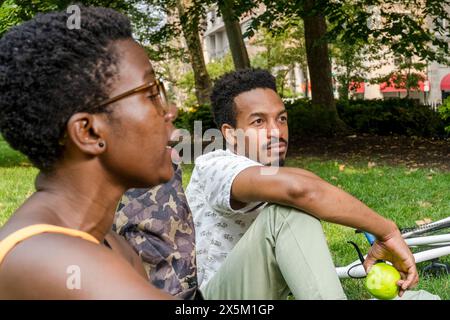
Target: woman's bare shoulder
{"points": [[121, 246], [56, 266]]}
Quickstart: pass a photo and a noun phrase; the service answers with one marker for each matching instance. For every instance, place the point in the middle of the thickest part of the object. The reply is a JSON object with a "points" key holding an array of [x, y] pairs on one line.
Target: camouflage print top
{"points": [[158, 224]]}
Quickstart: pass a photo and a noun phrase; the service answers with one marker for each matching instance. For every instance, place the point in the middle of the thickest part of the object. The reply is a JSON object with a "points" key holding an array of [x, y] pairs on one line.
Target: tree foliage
{"points": [[282, 51], [407, 27], [444, 111], [186, 82], [352, 66], [14, 12]]}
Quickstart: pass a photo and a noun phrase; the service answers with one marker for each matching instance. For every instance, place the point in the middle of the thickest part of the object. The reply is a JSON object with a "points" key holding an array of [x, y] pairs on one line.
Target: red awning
{"points": [[385, 87], [304, 86], [445, 83], [357, 87]]}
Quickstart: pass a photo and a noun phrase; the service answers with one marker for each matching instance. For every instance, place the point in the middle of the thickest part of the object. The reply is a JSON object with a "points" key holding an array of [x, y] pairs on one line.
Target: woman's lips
{"points": [[172, 143]]}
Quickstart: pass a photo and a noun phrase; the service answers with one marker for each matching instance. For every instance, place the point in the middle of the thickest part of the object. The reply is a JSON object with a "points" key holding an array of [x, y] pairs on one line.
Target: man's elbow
{"points": [[304, 192]]}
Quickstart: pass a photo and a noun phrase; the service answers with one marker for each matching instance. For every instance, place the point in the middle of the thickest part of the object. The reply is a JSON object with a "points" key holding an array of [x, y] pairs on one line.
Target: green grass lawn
{"points": [[16, 180], [398, 193]]}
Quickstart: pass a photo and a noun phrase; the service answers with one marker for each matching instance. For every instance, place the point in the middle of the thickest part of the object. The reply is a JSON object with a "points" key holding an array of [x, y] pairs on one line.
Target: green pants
{"points": [[283, 251]]}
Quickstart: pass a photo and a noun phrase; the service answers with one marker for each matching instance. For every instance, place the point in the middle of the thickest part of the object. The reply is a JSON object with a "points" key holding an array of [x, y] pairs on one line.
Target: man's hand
{"points": [[393, 248]]}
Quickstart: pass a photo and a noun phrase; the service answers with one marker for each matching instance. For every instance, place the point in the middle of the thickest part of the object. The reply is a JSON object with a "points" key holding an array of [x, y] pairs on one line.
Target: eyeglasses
{"points": [[156, 89]]}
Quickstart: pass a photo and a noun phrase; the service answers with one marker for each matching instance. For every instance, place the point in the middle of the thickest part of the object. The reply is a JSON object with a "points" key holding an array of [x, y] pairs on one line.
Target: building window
{"points": [[219, 44], [212, 46]]}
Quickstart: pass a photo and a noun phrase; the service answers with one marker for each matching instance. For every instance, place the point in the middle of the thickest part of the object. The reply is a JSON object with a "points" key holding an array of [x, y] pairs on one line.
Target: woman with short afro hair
{"points": [[85, 107]]}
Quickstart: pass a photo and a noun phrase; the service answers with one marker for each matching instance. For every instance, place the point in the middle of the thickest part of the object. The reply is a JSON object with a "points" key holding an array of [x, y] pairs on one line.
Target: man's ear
{"points": [[86, 131], [229, 134]]}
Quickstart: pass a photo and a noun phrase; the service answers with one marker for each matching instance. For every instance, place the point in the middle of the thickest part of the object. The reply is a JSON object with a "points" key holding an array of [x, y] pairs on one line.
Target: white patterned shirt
{"points": [[218, 227]]}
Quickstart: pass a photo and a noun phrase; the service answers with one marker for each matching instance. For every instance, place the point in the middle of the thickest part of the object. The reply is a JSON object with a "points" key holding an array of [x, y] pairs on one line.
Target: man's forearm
{"points": [[306, 191], [329, 203]]}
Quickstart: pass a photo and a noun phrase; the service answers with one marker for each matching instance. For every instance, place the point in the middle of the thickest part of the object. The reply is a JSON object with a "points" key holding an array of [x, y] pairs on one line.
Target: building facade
{"points": [[431, 91]]}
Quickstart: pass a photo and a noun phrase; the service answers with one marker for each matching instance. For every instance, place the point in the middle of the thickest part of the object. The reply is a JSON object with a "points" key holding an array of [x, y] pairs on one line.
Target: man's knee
{"points": [[279, 212], [273, 217]]}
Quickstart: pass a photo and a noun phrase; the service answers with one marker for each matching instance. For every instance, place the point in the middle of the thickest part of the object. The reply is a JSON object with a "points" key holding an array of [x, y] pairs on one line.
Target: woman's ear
{"points": [[86, 131]]}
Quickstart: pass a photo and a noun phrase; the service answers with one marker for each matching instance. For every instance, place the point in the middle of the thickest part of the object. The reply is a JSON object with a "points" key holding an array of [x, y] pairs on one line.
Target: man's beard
{"points": [[279, 162]]}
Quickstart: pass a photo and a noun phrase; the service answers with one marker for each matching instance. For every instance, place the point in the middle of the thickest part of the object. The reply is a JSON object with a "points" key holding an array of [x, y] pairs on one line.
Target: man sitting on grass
{"points": [[248, 249]]}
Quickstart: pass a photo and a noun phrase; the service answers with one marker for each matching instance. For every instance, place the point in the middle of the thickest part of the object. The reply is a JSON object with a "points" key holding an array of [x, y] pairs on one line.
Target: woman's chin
{"points": [[163, 175], [167, 174]]}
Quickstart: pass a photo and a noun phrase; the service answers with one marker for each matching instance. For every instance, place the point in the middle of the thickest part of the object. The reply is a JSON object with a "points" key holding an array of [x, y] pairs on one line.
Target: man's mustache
{"points": [[274, 141]]}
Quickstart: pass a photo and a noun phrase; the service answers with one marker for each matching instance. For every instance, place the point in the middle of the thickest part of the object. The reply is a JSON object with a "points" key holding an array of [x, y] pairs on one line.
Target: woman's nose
{"points": [[169, 117]]}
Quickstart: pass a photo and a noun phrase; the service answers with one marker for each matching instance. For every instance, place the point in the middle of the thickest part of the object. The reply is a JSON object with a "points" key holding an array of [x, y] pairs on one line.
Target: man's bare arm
{"points": [[305, 191]]}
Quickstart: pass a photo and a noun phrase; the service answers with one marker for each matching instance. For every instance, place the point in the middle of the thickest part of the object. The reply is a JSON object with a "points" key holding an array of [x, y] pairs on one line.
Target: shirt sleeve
{"points": [[218, 174]]}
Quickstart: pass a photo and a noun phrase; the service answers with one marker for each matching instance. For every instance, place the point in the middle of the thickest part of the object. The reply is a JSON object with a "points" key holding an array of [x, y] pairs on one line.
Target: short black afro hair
{"points": [[49, 72], [231, 85]]}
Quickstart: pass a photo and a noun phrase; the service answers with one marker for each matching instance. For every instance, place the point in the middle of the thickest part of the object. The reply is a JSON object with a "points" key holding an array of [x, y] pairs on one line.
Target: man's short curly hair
{"points": [[49, 72], [230, 85]]}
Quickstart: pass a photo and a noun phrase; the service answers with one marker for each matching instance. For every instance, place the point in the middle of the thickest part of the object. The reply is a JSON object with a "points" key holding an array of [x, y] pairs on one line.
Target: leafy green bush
{"points": [[187, 118], [304, 118], [393, 116], [444, 111], [383, 117]]}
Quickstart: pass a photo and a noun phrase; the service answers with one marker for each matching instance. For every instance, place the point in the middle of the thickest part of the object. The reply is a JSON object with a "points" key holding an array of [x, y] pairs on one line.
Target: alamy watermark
{"points": [[262, 145], [73, 281], [74, 20]]}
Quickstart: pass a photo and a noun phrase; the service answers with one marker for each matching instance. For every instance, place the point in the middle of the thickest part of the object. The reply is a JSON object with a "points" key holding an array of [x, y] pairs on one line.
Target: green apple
{"points": [[381, 282]]}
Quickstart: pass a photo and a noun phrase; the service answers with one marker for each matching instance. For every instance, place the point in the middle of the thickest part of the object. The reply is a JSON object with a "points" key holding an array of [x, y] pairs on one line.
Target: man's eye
{"points": [[257, 121], [283, 118]]}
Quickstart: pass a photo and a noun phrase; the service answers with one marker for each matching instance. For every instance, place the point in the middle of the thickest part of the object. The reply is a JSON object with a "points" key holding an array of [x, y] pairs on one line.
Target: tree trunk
{"points": [[203, 85], [318, 61], [344, 91], [234, 34]]}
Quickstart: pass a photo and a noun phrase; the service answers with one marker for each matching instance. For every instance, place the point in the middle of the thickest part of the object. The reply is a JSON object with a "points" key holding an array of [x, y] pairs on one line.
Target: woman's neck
{"points": [[80, 199]]}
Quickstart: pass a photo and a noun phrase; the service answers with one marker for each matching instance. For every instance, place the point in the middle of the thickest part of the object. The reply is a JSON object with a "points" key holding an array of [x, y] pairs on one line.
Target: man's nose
{"points": [[273, 129]]}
